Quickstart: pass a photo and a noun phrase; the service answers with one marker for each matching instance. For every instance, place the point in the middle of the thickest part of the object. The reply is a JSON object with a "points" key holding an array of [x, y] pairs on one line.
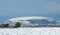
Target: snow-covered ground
{"points": [[30, 21], [30, 31]]}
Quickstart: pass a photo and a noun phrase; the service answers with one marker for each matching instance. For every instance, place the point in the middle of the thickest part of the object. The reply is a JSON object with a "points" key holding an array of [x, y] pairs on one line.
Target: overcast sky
{"points": [[16, 8]]}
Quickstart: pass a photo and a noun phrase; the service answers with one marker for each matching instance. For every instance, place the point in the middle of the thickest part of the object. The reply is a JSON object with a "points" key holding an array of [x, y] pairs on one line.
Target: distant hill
{"points": [[33, 21]]}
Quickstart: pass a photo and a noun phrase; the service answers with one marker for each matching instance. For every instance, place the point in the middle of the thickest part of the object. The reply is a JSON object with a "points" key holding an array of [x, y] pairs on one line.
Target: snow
{"points": [[30, 17], [34, 20], [30, 31]]}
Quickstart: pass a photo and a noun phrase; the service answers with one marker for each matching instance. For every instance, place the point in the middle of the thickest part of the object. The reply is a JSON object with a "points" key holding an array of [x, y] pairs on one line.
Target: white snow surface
{"points": [[24, 20], [31, 17], [30, 31]]}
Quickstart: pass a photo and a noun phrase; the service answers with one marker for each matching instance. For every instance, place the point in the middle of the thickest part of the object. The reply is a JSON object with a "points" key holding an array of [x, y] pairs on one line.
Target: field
{"points": [[30, 31]]}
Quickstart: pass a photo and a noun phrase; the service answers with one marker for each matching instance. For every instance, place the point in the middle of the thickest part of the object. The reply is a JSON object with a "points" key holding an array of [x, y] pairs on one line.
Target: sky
{"points": [[19, 8]]}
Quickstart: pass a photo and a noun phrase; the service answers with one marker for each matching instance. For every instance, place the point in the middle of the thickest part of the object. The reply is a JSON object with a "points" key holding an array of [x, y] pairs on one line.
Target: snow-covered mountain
{"points": [[32, 21]]}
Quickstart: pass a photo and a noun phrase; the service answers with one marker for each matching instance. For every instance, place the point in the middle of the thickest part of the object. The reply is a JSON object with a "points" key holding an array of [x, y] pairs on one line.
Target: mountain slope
{"points": [[33, 21]]}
